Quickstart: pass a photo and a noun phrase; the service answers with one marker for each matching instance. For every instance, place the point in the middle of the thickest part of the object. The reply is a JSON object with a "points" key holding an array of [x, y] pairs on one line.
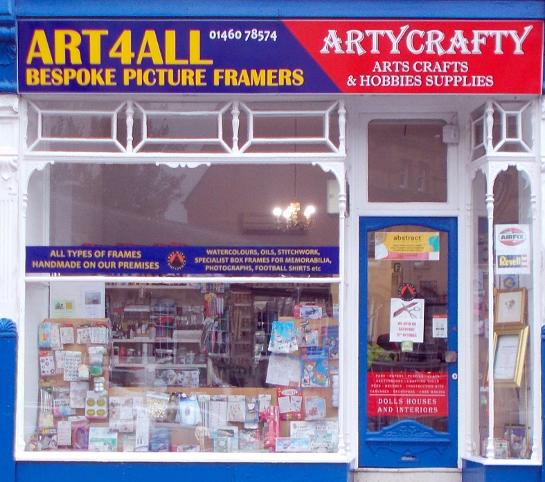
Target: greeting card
{"points": [[292, 444], [315, 371], [72, 362], [102, 439], [67, 334], [290, 403], [315, 407], [283, 337], [47, 363], [330, 343], [323, 435], [284, 370], [236, 408]]}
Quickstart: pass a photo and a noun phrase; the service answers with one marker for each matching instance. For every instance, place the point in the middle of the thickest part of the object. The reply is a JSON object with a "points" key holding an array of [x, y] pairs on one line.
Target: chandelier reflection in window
{"points": [[293, 217]]}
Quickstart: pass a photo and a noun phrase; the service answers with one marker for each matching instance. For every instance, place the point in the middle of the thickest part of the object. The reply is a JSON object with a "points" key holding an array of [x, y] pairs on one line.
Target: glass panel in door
{"points": [[410, 360]]}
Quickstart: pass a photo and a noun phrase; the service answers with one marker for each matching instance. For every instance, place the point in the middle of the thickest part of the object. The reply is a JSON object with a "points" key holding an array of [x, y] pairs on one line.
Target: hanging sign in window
{"points": [[407, 320], [289, 56], [407, 246], [512, 248], [407, 394], [183, 260]]}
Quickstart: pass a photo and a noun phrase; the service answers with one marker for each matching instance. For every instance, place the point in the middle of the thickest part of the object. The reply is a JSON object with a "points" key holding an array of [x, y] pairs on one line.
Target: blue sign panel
{"points": [[164, 56], [183, 260]]}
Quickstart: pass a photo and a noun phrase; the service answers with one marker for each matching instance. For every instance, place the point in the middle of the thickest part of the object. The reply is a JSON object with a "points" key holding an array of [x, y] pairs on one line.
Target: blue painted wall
{"points": [[474, 472], [166, 472], [8, 75], [8, 351]]}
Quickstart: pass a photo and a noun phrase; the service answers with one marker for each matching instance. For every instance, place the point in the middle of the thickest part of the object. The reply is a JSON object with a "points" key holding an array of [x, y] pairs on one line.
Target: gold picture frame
{"points": [[510, 307], [509, 356]]}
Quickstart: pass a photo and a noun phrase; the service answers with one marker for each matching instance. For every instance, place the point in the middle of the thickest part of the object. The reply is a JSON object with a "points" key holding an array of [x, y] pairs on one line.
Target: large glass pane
{"points": [[513, 315], [407, 161], [184, 368], [202, 206], [407, 327]]}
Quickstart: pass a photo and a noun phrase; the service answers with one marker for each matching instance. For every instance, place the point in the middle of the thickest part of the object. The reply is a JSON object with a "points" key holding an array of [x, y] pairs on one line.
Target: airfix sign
{"points": [[512, 248]]}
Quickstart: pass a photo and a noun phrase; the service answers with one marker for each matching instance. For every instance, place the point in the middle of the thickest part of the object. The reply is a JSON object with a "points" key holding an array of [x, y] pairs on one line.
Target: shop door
{"points": [[408, 342]]}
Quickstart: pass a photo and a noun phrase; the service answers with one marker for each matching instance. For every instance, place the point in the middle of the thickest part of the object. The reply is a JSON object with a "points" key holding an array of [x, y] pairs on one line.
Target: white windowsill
{"points": [[187, 457], [485, 461]]}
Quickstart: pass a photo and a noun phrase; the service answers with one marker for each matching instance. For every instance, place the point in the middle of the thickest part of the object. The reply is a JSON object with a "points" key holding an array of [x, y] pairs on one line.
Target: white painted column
{"points": [[9, 192], [541, 141]]}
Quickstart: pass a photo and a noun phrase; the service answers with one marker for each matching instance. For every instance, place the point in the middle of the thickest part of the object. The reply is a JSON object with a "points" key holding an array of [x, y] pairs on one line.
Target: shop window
{"points": [[503, 302], [407, 161], [201, 206], [165, 362], [501, 128], [143, 127], [188, 368]]}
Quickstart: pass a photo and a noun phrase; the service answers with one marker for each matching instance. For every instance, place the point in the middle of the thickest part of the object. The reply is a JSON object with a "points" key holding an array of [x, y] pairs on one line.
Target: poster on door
{"points": [[407, 320], [407, 246], [407, 394], [512, 248]]}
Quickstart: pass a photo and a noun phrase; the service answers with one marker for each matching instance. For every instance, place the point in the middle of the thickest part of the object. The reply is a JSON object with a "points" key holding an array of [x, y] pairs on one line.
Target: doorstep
{"points": [[406, 475]]}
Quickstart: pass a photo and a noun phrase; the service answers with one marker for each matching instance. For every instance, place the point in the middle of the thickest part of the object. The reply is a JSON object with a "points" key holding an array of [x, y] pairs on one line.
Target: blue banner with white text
{"points": [[183, 260]]}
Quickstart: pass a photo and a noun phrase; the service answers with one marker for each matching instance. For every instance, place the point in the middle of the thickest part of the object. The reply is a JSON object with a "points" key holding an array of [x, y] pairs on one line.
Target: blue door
{"points": [[408, 342]]}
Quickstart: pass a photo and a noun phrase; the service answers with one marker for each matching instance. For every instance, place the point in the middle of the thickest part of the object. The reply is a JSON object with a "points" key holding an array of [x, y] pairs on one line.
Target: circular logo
{"points": [[176, 260], [512, 236], [407, 292]]}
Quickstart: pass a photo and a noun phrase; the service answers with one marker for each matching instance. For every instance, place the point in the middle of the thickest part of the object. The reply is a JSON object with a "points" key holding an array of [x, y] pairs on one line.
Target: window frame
{"points": [[31, 162]]}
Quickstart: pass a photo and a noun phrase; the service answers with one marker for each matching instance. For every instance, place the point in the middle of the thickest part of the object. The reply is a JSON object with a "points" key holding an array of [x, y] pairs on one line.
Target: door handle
{"points": [[451, 356]]}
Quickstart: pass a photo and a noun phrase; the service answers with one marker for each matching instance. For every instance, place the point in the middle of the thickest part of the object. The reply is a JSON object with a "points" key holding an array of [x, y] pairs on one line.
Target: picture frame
{"points": [[510, 307], [517, 439], [501, 448], [509, 356]]}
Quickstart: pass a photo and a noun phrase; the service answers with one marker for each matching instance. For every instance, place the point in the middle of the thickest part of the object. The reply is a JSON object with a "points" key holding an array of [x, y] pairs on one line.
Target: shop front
{"points": [[273, 247]]}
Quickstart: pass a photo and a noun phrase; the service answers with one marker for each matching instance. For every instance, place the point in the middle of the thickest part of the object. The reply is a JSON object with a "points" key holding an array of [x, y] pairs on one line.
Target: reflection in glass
{"points": [[480, 312], [512, 269], [184, 368], [200, 206], [407, 161], [407, 327]]}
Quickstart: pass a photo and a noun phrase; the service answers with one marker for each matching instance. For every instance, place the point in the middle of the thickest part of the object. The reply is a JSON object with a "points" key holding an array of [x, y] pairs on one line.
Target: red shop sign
{"points": [[407, 394], [426, 56]]}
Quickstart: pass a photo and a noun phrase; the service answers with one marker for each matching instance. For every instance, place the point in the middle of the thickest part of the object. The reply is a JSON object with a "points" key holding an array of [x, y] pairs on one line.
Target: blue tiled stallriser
{"points": [[475, 472], [202, 472]]}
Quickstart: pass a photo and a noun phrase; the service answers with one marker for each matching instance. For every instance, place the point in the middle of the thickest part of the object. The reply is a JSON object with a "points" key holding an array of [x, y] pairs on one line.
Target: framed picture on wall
{"points": [[510, 307], [509, 355]]}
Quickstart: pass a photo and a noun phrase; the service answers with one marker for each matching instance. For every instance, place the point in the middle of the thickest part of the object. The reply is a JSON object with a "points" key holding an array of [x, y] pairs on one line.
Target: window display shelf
{"points": [[159, 365], [155, 340]]}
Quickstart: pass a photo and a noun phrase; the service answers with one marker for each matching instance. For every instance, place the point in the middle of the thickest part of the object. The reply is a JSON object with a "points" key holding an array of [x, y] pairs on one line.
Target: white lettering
{"points": [[431, 42], [354, 38], [410, 41], [332, 41], [396, 39], [520, 40]]}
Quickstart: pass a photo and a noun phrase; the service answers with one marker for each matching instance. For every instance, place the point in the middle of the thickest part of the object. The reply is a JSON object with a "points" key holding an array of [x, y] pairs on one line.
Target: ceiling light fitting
{"points": [[294, 217]]}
